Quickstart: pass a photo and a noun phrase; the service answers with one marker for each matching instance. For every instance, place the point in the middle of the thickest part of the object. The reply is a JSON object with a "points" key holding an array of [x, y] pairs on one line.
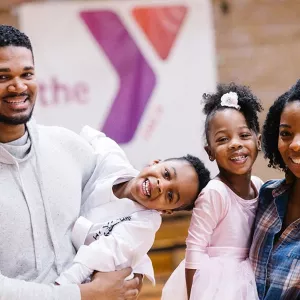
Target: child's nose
{"points": [[235, 144], [158, 187]]}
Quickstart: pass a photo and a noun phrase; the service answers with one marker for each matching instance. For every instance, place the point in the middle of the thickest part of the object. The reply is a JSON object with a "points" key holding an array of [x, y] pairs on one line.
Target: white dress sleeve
{"points": [[104, 146], [210, 208], [125, 246], [111, 161], [145, 267]]}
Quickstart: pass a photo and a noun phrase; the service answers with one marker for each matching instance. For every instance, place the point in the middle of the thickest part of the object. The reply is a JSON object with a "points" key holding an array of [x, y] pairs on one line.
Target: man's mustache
{"points": [[14, 95]]}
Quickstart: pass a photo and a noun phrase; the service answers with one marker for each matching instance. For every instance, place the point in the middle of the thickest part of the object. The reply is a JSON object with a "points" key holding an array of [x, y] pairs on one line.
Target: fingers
{"points": [[131, 294], [131, 284], [125, 272]]}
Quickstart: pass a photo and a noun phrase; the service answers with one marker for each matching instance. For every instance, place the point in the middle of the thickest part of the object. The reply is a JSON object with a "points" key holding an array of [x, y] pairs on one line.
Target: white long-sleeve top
{"points": [[111, 233]]}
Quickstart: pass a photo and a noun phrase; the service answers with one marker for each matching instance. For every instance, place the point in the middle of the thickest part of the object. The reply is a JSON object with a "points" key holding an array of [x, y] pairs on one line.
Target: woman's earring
{"points": [[259, 146], [211, 158]]}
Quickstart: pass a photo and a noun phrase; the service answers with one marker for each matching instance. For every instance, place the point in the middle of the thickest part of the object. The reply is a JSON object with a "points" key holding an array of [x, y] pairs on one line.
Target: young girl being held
{"points": [[217, 265]]}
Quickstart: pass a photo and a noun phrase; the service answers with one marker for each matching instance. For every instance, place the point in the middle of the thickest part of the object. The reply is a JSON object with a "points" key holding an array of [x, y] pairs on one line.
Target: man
{"points": [[43, 171]]}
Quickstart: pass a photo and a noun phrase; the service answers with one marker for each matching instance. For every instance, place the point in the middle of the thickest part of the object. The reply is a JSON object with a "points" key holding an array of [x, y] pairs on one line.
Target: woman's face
{"points": [[289, 137]]}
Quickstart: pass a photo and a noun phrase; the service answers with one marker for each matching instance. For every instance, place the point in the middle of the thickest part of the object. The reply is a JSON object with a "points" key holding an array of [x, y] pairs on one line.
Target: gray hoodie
{"points": [[40, 199]]}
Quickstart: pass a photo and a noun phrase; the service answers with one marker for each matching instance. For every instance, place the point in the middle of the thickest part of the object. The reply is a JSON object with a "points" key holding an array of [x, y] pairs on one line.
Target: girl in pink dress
{"points": [[216, 264]]}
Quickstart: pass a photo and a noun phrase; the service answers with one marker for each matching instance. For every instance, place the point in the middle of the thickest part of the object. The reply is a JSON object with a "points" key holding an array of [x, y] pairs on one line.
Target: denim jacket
{"points": [[276, 263]]}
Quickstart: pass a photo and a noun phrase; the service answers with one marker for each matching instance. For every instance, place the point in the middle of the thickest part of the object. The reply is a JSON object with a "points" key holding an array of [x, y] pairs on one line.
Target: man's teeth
{"points": [[296, 160], [15, 101], [238, 158], [146, 187]]}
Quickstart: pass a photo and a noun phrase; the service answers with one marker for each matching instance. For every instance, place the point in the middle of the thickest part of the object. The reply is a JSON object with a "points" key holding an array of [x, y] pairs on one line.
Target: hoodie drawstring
{"points": [[38, 263], [50, 225]]}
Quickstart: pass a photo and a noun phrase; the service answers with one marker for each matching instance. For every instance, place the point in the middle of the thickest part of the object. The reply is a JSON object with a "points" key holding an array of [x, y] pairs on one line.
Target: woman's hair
{"points": [[249, 104], [270, 130], [203, 175]]}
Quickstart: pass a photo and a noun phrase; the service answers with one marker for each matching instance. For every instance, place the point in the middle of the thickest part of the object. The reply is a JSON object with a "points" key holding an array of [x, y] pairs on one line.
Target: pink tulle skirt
{"points": [[220, 278]]}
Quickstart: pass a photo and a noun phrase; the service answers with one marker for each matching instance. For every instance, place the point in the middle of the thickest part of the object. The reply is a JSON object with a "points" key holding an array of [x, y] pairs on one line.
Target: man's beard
{"points": [[16, 120]]}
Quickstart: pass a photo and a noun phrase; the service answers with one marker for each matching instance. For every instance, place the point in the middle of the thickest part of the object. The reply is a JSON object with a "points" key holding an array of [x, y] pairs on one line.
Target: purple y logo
{"points": [[137, 80]]}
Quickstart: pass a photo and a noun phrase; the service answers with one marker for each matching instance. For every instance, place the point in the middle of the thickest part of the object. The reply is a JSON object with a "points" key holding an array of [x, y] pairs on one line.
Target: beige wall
{"points": [[6, 17], [258, 44]]}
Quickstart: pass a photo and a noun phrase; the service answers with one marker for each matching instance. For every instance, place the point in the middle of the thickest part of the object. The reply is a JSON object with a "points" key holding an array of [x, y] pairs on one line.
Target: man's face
{"points": [[18, 86]]}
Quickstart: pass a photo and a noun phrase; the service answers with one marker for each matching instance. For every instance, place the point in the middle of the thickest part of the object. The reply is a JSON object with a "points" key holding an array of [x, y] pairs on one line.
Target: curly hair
{"points": [[270, 130], [203, 175], [11, 36], [249, 104]]}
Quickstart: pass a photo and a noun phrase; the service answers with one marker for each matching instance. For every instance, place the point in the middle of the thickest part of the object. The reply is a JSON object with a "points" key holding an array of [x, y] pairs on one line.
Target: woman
{"points": [[275, 251]]}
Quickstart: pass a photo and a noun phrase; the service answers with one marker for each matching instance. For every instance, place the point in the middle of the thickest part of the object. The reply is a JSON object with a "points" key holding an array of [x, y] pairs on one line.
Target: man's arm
{"points": [[14, 289], [105, 286]]}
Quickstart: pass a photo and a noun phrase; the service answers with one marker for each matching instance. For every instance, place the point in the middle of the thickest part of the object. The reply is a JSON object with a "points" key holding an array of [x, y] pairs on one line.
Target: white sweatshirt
{"points": [[40, 199]]}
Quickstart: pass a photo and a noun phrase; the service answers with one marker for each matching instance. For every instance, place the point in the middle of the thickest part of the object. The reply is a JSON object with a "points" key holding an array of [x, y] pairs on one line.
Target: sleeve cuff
{"points": [[145, 268], [195, 259], [80, 231]]}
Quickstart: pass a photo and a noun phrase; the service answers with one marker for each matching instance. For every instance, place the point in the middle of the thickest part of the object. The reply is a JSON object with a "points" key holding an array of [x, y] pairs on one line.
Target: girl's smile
{"points": [[231, 143]]}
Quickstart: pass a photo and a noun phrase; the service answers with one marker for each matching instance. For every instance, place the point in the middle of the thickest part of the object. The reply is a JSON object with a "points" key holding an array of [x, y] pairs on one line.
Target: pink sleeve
{"points": [[210, 209]]}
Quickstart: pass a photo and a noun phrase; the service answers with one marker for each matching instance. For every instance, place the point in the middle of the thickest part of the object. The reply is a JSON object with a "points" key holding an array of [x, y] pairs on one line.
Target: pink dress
{"points": [[217, 247]]}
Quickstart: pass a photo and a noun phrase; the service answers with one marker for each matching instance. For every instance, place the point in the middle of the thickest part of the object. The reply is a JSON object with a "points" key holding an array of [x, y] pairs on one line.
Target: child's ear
{"points": [[209, 153], [167, 211], [259, 142]]}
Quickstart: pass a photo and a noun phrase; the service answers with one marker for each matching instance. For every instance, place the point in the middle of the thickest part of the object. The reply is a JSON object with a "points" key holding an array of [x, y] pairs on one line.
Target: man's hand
{"points": [[133, 294], [110, 286]]}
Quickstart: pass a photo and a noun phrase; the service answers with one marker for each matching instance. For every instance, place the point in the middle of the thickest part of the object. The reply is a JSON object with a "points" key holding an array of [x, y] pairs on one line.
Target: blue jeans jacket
{"points": [[275, 260]]}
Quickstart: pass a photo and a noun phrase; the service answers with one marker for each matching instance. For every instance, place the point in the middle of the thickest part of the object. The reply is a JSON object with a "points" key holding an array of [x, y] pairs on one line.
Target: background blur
{"points": [[256, 43]]}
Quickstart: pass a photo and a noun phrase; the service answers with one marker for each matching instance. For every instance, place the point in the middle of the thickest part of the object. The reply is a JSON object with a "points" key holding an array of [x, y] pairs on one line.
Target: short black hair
{"points": [[203, 175], [249, 104], [270, 130], [11, 36]]}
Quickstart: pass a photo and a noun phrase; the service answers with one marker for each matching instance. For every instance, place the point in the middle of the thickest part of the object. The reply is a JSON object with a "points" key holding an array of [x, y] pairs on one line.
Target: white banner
{"points": [[133, 69]]}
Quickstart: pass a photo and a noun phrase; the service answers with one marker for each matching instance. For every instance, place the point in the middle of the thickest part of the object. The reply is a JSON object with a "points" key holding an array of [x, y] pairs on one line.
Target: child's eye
{"points": [[245, 135], [167, 174], [170, 196], [222, 139]]}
